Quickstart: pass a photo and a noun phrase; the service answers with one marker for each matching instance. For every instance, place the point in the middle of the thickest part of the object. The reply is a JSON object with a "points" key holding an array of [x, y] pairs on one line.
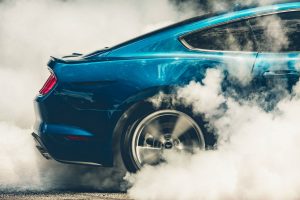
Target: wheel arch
{"points": [[130, 105]]}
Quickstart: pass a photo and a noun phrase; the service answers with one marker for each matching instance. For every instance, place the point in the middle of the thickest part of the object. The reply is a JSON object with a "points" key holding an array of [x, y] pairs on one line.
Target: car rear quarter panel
{"points": [[106, 85]]}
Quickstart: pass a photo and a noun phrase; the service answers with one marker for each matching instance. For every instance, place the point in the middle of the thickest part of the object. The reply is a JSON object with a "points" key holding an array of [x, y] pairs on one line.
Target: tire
{"points": [[139, 147]]}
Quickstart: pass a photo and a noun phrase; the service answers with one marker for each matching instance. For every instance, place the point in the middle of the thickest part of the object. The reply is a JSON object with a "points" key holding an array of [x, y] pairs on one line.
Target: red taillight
{"points": [[51, 81]]}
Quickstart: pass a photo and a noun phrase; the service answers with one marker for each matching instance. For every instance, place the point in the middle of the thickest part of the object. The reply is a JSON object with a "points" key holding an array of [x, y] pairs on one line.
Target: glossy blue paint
{"points": [[93, 91]]}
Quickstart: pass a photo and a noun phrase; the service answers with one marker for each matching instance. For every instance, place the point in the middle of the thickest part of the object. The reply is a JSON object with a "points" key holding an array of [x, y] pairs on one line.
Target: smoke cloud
{"points": [[256, 156]]}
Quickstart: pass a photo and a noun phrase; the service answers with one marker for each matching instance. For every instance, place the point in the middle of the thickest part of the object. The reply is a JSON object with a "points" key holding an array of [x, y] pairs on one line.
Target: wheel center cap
{"points": [[168, 145]]}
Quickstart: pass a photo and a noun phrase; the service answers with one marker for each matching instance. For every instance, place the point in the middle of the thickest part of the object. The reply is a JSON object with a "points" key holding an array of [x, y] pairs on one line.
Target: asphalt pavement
{"points": [[63, 195]]}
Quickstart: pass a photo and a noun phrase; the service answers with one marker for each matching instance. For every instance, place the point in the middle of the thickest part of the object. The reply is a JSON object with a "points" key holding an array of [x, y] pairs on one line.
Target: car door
{"points": [[278, 39]]}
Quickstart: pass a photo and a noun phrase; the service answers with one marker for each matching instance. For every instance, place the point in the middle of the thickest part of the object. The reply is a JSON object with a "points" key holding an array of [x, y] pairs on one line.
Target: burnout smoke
{"points": [[257, 155], [31, 31]]}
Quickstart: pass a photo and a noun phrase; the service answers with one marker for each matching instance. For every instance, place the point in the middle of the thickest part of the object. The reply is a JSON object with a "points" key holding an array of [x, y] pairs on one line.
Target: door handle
{"points": [[281, 74]]}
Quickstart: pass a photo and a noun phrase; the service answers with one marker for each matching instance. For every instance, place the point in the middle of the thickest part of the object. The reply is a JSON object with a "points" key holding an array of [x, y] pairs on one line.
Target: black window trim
{"points": [[189, 47]]}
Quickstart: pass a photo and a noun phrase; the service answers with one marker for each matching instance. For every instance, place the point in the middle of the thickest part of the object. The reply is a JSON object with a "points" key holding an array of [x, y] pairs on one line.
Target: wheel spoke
{"points": [[154, 129], [149, 154], [184, 148], [181, 126]]}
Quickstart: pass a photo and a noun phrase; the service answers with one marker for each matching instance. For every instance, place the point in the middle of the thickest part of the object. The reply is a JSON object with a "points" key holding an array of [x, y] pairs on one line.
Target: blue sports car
{"points": [[94, 109]]}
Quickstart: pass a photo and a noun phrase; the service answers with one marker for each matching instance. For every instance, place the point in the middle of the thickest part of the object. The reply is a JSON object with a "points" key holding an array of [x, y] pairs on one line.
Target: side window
{"points": [[236, 36], [277, 32]]}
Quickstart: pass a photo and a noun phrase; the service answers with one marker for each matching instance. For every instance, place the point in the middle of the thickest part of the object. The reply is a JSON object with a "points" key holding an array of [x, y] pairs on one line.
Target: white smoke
{"points": [[204, 98], [257, 155], [31, 31]]}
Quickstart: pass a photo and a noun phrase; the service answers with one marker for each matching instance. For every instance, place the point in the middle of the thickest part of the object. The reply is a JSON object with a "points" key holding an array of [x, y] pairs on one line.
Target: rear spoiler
{"points": [[77, 58], [53, 61]]}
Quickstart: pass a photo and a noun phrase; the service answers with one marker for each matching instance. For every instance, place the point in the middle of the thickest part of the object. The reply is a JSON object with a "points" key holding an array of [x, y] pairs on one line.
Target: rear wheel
{"points": [[151, 132]]}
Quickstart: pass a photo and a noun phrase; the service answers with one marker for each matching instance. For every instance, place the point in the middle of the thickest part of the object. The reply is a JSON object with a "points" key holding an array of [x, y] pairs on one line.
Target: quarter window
{"points": [[236, 36]]}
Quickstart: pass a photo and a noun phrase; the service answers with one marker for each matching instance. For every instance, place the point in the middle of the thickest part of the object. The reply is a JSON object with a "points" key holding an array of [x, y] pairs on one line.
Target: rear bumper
{"points": [[44, 152], [70, 145], [71, 129]]}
